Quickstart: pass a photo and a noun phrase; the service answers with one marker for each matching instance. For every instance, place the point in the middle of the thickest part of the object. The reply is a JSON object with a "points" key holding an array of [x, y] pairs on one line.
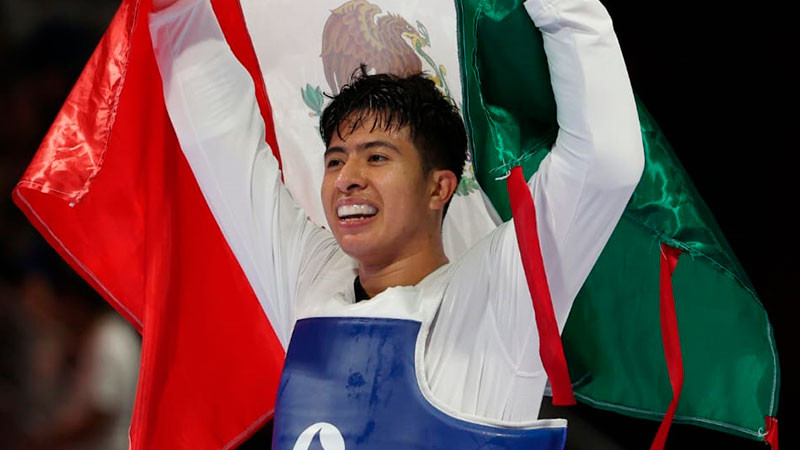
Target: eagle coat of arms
{"points": [[355, 33]]}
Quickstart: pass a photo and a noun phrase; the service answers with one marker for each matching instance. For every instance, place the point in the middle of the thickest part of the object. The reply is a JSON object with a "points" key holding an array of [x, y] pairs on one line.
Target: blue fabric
{"points": [[357, 374]]}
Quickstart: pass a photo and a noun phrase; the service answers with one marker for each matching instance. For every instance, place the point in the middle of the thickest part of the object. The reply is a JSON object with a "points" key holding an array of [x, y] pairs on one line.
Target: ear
{"points": [[443, 185]]}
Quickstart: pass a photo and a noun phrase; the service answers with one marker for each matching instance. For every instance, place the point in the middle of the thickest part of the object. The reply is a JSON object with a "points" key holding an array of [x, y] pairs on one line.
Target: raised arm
{"points": [[211, 101], [580, 192], [582, 187]]}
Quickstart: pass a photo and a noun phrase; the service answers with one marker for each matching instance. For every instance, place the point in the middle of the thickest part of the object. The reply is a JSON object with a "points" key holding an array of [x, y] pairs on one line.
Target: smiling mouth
{"points": [[352, 213]]}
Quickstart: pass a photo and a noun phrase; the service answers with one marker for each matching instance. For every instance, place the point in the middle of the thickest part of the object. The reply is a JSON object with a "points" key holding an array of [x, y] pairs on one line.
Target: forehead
{"points": [[365, 121], [360, 129]]}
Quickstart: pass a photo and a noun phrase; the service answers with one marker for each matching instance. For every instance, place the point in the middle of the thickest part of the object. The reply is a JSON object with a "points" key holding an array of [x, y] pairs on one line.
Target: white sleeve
{"points": [[211, 101], [584, 184], [580, 192]]}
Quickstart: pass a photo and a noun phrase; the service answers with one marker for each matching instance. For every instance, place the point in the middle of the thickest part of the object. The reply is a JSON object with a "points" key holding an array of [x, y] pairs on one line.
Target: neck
{"points": [[406, 271]]}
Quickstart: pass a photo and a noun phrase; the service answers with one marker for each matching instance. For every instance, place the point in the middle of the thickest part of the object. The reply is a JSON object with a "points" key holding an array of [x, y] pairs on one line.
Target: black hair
{"points": [[394, 102]]}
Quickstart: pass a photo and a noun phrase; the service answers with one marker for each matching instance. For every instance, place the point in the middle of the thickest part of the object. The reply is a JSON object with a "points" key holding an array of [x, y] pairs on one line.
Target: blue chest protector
{"points": [[350, 383]]}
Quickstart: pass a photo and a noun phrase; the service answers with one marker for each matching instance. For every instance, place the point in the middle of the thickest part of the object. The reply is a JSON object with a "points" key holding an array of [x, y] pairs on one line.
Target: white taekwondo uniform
{"points": [[481, 358]]}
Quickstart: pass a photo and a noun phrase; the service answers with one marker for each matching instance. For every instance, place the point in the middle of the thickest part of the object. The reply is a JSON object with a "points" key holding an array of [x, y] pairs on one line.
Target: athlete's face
{"points": [[376, 197]]}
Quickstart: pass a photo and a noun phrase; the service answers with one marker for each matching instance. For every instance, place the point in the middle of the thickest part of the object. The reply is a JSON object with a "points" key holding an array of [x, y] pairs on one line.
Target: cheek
{"points": [[326, 193], [407, 194]]}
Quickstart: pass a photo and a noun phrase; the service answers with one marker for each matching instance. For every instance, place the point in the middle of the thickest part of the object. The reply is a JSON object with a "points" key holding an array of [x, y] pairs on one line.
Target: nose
{"points": [[351, 176]]}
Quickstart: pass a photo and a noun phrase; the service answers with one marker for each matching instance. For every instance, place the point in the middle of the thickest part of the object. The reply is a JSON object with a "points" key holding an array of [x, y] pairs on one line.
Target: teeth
{"points": [[355, 210]]}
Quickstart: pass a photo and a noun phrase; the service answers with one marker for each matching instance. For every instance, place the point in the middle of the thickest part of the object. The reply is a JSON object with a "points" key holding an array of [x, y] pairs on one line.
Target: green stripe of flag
{"points": [[612, 338]]}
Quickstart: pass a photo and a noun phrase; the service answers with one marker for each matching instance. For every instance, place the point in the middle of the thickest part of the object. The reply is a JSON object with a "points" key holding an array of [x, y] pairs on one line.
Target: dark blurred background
{"points": [[718, 79]]}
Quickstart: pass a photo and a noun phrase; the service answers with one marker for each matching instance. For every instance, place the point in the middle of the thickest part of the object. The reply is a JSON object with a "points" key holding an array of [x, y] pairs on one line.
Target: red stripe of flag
{"points": [[141, 233], [231, 20]]}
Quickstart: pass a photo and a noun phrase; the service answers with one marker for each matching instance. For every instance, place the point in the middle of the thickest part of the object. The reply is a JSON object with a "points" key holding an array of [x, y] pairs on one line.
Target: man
{"points": [[395, 149], [444, 353]]}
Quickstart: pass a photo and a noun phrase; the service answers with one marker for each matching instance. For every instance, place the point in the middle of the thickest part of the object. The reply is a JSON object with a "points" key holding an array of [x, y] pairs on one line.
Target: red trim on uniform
{"points": [[671, 340], [550, 348]]}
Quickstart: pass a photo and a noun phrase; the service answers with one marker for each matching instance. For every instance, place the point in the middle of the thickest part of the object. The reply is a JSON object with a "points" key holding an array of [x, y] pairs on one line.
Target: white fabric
{"points": [[481, 357]]}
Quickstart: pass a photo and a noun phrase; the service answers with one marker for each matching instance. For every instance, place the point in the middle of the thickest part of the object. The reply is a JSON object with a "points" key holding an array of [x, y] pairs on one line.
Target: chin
{"points": [[361, 248], [355, 248]]}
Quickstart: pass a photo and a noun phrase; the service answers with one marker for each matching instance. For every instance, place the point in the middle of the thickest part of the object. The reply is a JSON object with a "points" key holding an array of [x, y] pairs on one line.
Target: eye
{"points": [[333, 162], [377, 158]]}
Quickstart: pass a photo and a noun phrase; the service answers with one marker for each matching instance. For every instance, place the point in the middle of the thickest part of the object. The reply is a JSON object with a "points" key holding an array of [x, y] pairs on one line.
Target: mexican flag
{"points": [[111, 190], [717, 353]]}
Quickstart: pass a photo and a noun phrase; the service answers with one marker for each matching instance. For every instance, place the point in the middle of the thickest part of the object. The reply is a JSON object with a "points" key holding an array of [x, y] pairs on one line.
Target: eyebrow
{"points": [[332, 150], [364, 146], [378, 143]]}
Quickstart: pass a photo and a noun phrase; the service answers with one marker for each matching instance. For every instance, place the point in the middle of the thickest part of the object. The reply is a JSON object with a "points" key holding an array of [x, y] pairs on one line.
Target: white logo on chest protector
{"points": [[329, 436]]}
